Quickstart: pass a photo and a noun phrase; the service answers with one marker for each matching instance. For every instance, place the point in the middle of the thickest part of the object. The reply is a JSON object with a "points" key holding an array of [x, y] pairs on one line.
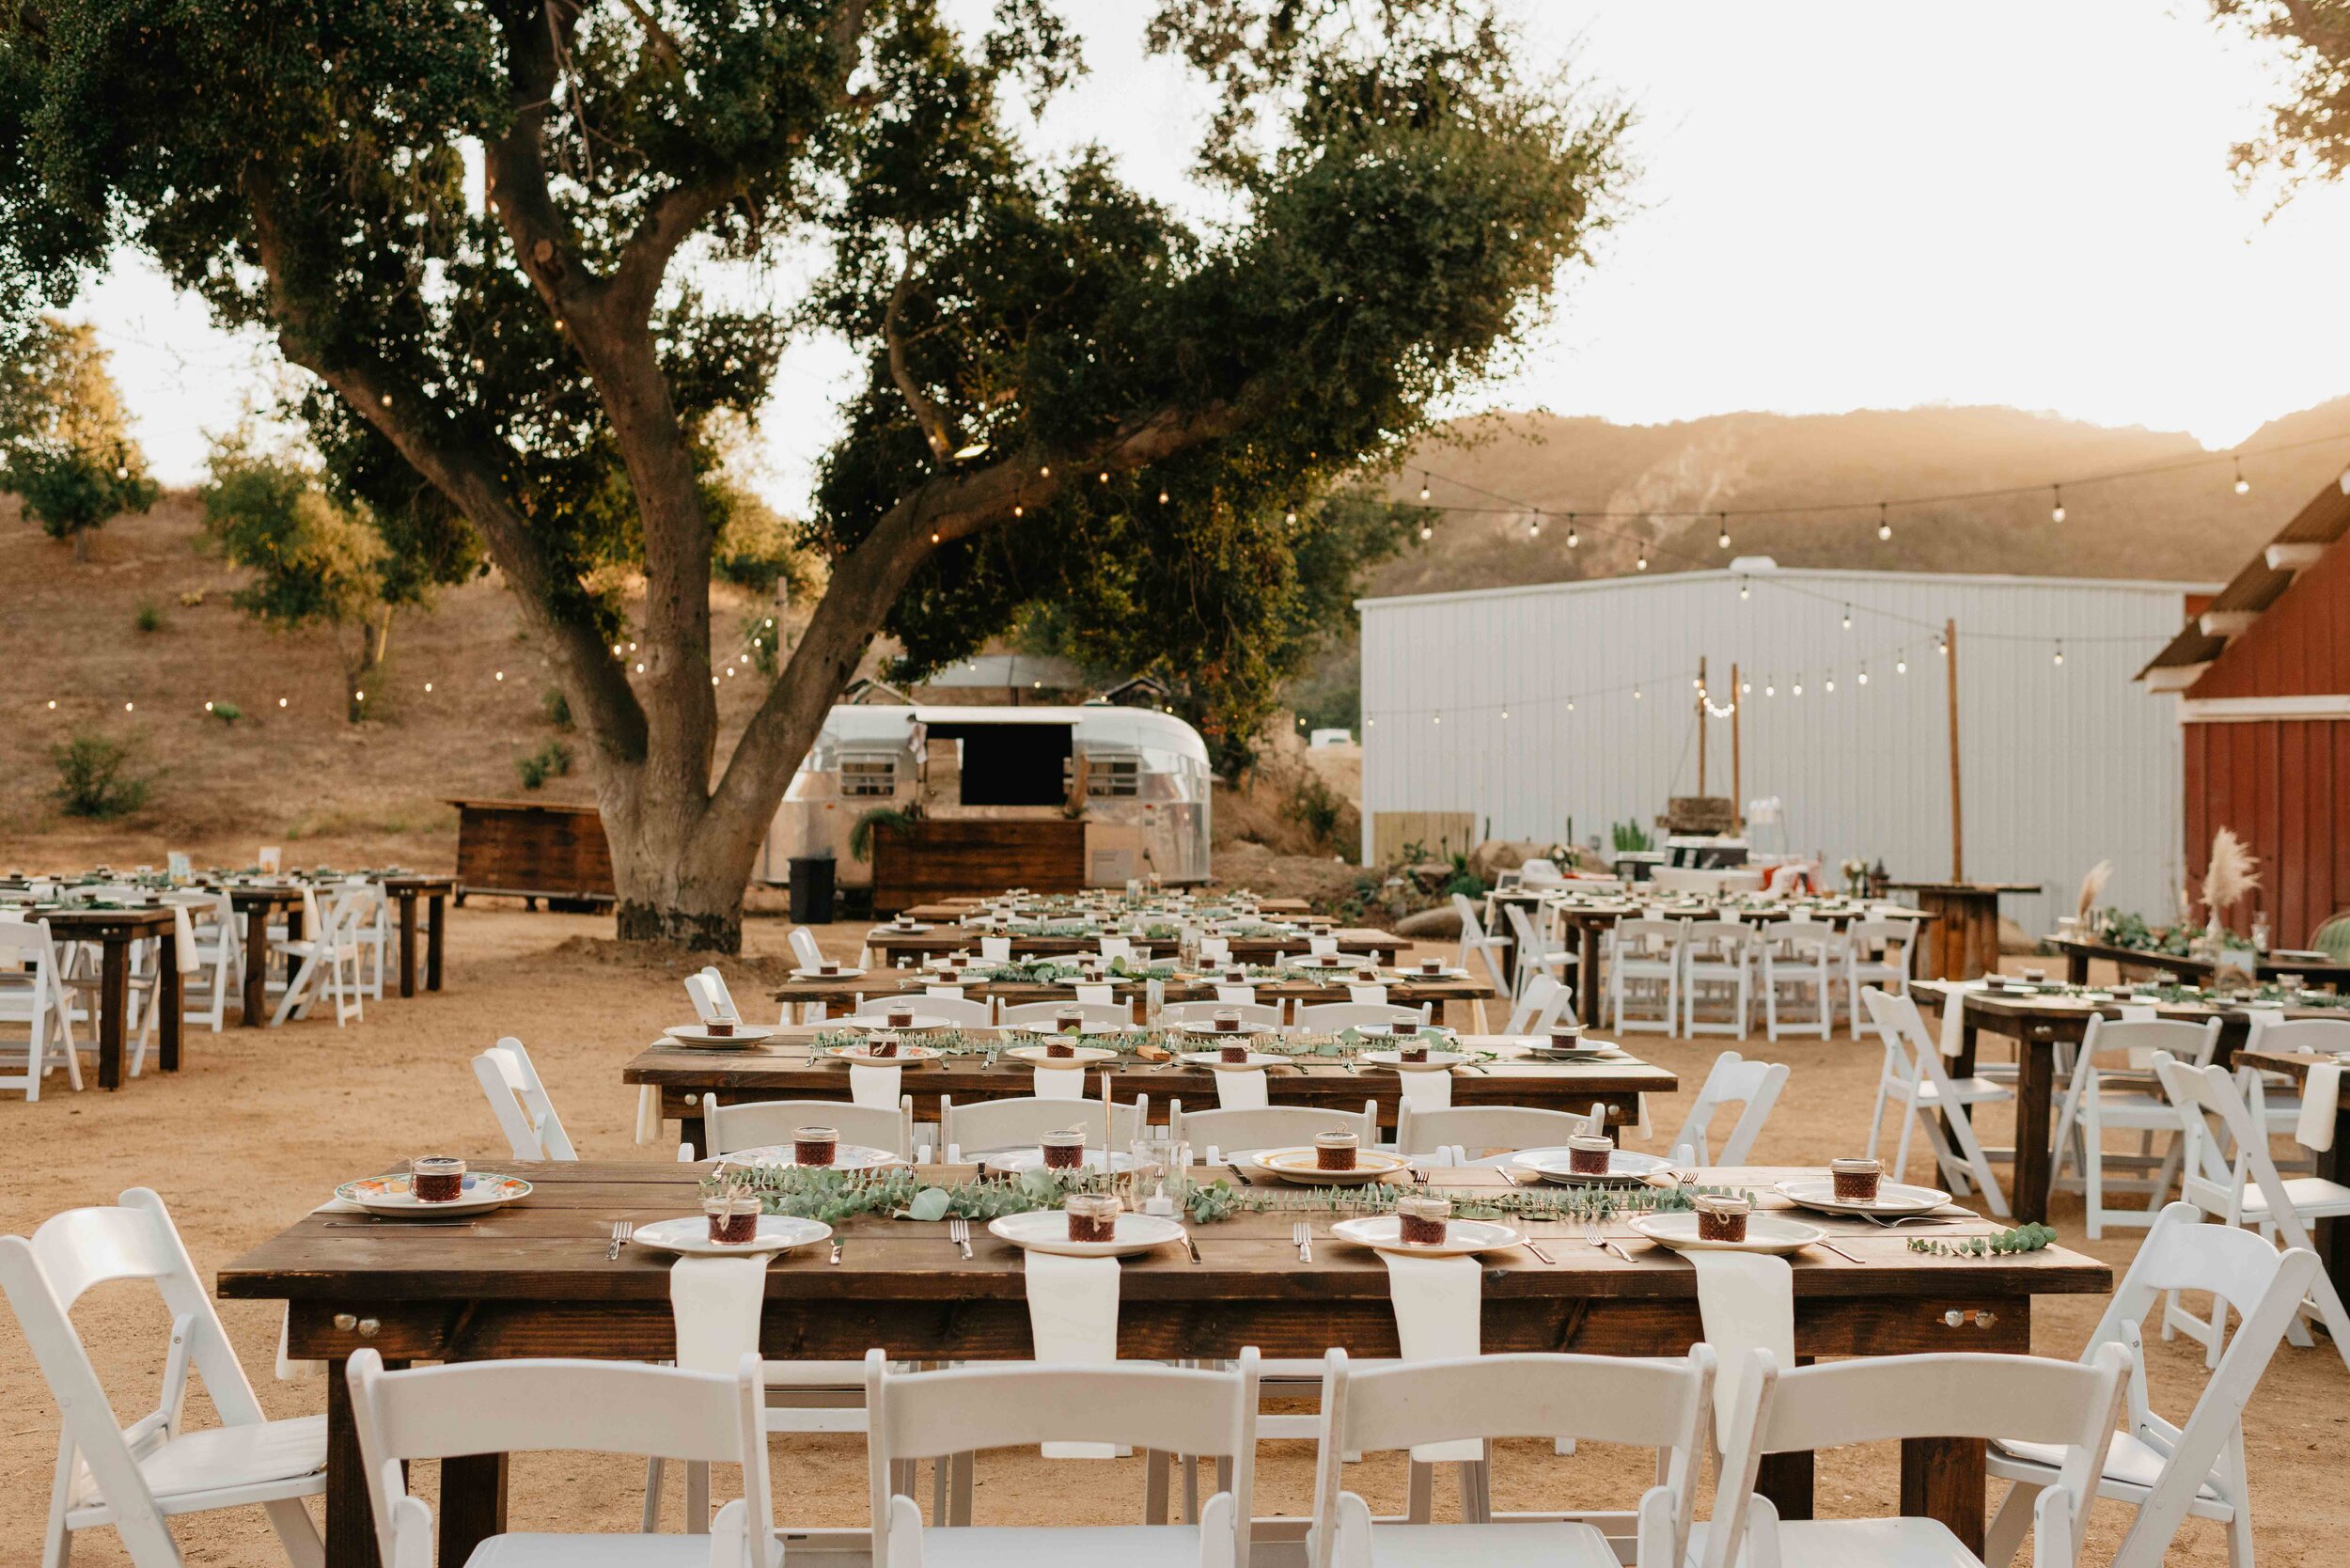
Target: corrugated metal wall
{"points": [[2063, 765]]}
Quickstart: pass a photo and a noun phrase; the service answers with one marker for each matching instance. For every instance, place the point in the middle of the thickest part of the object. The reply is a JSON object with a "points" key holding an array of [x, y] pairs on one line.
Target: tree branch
{"points": [[927, 413]]}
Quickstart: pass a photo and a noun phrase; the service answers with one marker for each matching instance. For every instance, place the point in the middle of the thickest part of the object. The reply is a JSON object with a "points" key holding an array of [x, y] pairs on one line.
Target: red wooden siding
{"points": [[2300, 645], [2283, 785]]}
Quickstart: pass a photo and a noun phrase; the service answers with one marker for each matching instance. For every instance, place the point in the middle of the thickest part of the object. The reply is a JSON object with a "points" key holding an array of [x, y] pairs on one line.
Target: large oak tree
{"points": [[1071, 393]]}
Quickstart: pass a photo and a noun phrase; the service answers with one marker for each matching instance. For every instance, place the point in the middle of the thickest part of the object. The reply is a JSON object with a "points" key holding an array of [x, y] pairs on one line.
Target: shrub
{"points": [[1314, 807], [551, 760], [150, 618], [228, 713], [558, 707], [91, 780]]}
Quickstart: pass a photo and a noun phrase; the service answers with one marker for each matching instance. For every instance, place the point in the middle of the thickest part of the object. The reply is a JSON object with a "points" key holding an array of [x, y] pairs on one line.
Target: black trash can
{"points": [[811, 889]]}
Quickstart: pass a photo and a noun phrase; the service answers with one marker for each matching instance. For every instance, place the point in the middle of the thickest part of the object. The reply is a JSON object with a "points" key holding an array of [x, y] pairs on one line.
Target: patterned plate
{"points": [[1765, 1233], [1303, 1166], [1079, 1056], [691, 1236], [1048, 1231], [390, 1196], [845, 1156], [1462, 1237]]}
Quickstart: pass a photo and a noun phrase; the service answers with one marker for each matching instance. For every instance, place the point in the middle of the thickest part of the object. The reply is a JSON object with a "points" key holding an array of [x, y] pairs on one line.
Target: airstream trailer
{"points": [[1136, 781]]}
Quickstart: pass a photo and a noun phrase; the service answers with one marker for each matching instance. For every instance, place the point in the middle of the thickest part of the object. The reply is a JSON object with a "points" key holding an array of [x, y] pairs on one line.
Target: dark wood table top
{"points": [[2060, 1006], [1963, 887], [955, 909], [2296, 1063], [551, 1246], [785, 1068], [419, 883], [83, 918], [2266, 966], [892, 983], [946, 938]]}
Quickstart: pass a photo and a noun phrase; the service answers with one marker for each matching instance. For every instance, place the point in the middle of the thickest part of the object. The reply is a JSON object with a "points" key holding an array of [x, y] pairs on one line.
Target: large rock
{"points": [[1495, 855], [1443, 920]]}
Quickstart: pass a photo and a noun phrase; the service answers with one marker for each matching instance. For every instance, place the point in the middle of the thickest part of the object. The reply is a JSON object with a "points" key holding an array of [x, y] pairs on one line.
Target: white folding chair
{"points": [[1800, 957], [327, 961], [33, 992], [2113, 1088], [1878, 952], [2168, 1472], [1663, 1404], [213, 982], [1751, 1086], [2276, 1103], [2066, 1405], [526, 1113], [541, 1406], [1544, 1003], [767, 1123], [1256, 1016], [1717, 965], [1098, 1015], [2247, 1191], [990, 1126], [1330, 1017], [1488, 1135], [1161, 1410], [371, 929], [1535, 955], [1914, 1079], [1223, 1134], [1644, 965], [805, 950], [134, 1478], [1486, 944]]}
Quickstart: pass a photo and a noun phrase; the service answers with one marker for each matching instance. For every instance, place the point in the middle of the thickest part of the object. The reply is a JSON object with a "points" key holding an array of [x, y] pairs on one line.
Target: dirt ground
{"points": [[260, 1125]]}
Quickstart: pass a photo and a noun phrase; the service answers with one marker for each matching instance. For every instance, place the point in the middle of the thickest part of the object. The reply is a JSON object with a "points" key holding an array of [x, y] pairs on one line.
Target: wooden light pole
{"points": [[1703, 696], [1737, 760], [1958, 822]]}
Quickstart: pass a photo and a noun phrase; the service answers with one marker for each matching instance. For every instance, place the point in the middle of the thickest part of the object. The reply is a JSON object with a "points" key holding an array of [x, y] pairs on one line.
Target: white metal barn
{"points": [[1531, 706]]}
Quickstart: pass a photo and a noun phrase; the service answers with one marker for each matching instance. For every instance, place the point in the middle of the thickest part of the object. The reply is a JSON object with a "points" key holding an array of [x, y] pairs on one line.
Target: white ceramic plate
{"points": [[1437, 1061], [1462, 1237], [1765, 1233], [908, 1055], [847, 971], [1048, 1231], [1413, 974], [484, 1190], [1216, 1059], [888, 927], [744, 1038], [1819, 1192], [1079, 1056], [691, 1236], [1624, 1167], [1300, 1165], [1017, 1161], [1208, 1028], [846, 1156], [921, 1021]]}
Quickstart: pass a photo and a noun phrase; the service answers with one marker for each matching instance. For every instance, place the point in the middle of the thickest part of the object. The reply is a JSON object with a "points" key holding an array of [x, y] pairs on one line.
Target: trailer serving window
{"points": [[1011, 765]]}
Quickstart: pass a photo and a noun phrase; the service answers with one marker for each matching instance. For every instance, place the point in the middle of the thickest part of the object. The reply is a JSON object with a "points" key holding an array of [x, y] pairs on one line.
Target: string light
{"points": [[1105, 476], [1534, 528], [281, 702], [2059, 651], [1045, 472], [1831, 685], [126, 707], [501, 675], [1573, 537], [2055, 512], [1942, 647], [1635, 694], [1885, 525], [2243, 485], [1724, 539], [1439, 719], [1642, 563], [1293, 514], [52, 704], [1504, 713], [1427, 530], [428, 685], [1769, 690], [1570, 705], [1900, 666], [1744, 589], [1161, 497], [1864, 675], [1797, 688], [1423, 484], [1017, 510]]}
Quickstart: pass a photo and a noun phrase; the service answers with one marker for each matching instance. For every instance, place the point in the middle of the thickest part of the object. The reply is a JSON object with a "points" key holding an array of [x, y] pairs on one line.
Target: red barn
{"points": [[2262, 676]]}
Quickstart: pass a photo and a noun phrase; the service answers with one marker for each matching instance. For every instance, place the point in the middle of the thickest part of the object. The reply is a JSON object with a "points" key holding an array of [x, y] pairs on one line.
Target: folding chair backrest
{"points": [[2208, 1095], [1108, 1015], [538, 1406], [765, 1123], [1903, 1029], [1529, 1015], [1171, 1409], [1896, 940], [2182, 1253], [987, 1125], [2322, 1036], [1753, 1087], [1522, 930], [1326, 1016], [1262, 1014], [1479, 1129], [524, 1111], [1717, 941], [1235, 1132], [804, 948], [1648, 937], [2112, 1043]]}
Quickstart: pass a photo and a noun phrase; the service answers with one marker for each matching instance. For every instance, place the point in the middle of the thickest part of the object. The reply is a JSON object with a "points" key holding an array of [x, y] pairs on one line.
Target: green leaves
{"points": [[2027, 1237]]}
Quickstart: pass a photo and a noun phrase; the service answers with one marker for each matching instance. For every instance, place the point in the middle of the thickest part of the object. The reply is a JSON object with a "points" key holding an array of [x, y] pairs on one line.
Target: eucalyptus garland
{"points": [[2027, 1237]]}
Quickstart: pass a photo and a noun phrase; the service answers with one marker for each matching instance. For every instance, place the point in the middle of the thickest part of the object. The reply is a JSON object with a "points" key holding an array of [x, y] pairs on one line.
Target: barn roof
{"points": [[2261, 583]]}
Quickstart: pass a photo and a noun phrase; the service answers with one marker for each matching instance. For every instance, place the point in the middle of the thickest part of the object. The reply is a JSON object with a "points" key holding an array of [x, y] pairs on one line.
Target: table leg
{"points": [[2076, 969], [1786, 1480], [435, 908], [691, 1130], [1943, 1478], [168, 996], [408, 951], [114, 1005], [473, 1503], [2333, 1235], [2035, 1086], [349, 1519], [256, 964], [1586, 976]]}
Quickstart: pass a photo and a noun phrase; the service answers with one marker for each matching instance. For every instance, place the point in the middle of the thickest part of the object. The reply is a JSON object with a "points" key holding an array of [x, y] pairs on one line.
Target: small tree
{"points": [[317, 560], [70, 456]]}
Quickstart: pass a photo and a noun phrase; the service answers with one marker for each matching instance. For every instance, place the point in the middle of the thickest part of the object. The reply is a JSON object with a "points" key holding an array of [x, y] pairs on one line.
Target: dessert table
{"points": [[786, 1067], [532, 1279]]}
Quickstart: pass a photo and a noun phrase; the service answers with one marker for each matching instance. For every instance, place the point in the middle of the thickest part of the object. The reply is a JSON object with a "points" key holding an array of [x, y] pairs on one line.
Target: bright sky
{"points": [[1841, 205]]}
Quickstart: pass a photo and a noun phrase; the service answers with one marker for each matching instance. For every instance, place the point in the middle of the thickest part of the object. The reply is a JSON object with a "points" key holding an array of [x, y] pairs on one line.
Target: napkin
{"points": [[1365, 996], [1954, 1017], [1072, 1319], [995, 949], [2321, 1101], [1437, 1303], [1115, 947], [648, 1112], [1213, 949], [1096, 995], [1236, 996], [1427, 1092], [874, 1084], [1059, 1083], [1321, 947], [1747, 1301], [1243, 1090], [716, 1302]]}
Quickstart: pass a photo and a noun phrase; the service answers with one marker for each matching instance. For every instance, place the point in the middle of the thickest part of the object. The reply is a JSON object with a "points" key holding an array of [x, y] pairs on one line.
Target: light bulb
{"points": [[1427, 530], [1293, 517], [1746, 688], [428, 685], [1574, 535], [2060, 653], [52, 703], [1885, 527], [1504, 713], [1769, 690], [1635, 694], [1642, 563], [1045, 472], [1864, 677], [2055, 512], [1831, 685], [1743, 588], [1695, 684], [1105, 476], [501, 675], [1942, 648], [281, 702], [1423, 487], [2243, 485], [1848, 618], [1724, 538], [1570, 705], [1797, 688], [1161, 497], [1900, 666], [126, 707], [1017, 510], [1439, 719], [1534, 528]]}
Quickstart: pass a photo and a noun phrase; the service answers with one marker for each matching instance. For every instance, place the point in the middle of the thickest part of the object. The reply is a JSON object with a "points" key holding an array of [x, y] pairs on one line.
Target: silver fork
{"points": [[1597, 1236], [1302, 1238], [958, 1233], [621, 1231]]}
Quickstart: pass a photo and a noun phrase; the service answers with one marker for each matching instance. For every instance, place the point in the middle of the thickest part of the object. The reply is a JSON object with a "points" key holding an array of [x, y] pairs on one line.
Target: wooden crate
{"points": [[532, 849], [946, 857]]}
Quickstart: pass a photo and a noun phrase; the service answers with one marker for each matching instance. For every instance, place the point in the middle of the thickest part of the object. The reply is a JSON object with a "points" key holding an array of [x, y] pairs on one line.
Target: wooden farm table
{"points": [[113, 931], [2079, 951], [532, 1280], [784, 1069], [955, 909], [436, 891], [1966, 945], [2331, 1235], [258, 902], [1584, 922], [943, 938], [843, 989]]}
